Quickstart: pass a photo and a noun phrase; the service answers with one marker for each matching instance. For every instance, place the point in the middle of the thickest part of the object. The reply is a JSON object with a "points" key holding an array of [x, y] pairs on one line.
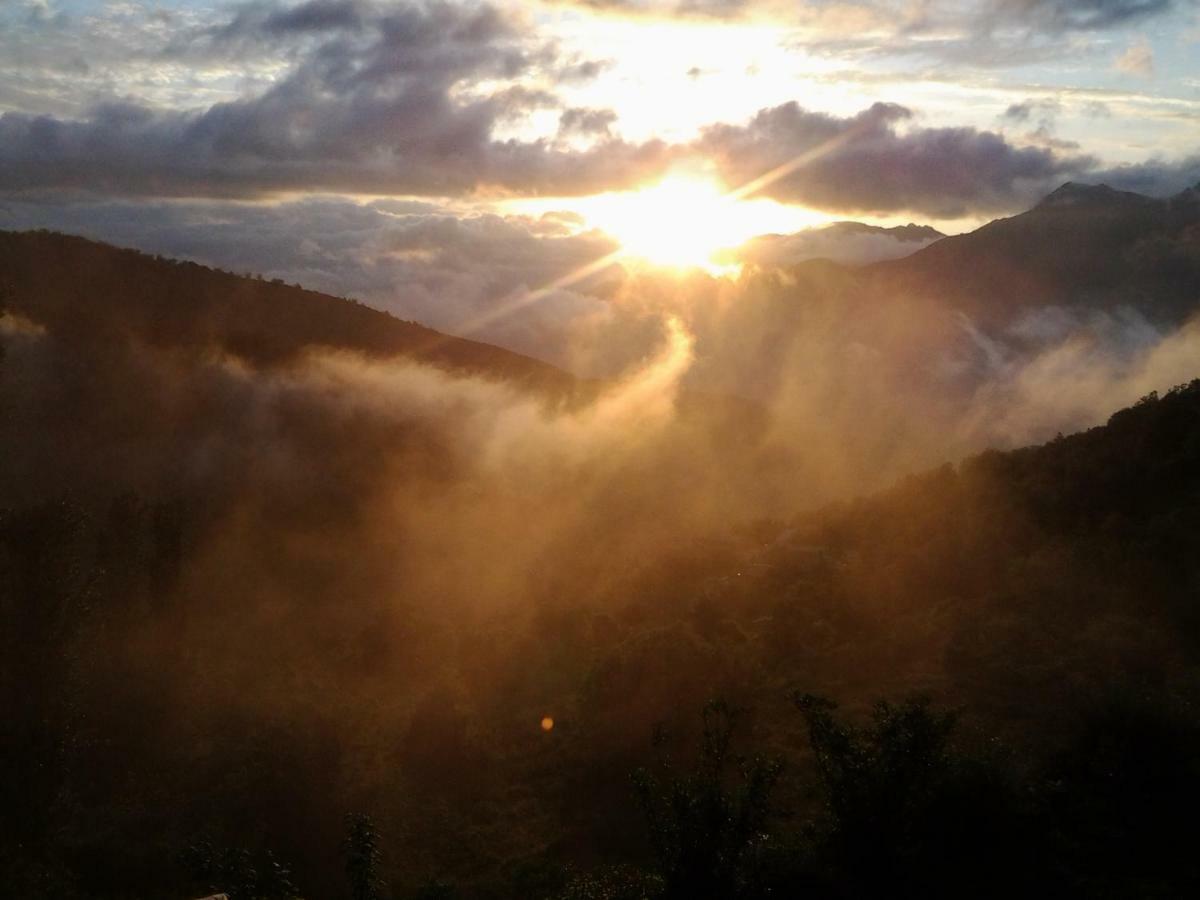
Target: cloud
{"points": [[1042, 111], [310, 17], [1086, 366], [437, 99], [1138, 59], [970, 33], [866, 163], [824, 372], [586, 122], [1077, 15], [1156, 177], [442, 266], [974, 34], [844, 242], [384, 110], [1043, 116], [1057, 15], [393, 110]]}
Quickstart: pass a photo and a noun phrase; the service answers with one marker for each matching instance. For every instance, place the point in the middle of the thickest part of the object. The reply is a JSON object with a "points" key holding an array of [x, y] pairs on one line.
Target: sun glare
{"points": [[687, 221], [680, 222]]}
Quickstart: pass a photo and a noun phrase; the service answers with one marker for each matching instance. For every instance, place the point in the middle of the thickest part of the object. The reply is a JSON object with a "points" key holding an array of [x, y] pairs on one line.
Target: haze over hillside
{"points": [[842, 242], [301, 559], [1028, 326]]}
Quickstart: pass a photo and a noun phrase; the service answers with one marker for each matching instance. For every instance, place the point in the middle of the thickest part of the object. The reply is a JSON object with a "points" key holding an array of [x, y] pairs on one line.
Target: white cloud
{"points": [[1138, 59]]}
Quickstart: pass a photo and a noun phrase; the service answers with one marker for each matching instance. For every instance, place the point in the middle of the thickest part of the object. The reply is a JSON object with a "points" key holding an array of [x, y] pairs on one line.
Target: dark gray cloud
{"points": [[1156, 177], [373, 112], [317, 15], [1051, 15], [313, 17], [416, 98], [869, 165], [421, 142], [1042, 118], [1039, 111], [1076, 15], [584, 121], [967, 33]]}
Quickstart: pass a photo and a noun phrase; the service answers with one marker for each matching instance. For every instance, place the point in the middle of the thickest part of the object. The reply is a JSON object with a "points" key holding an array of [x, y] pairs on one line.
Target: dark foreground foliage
{"points": [[1074, 770]]}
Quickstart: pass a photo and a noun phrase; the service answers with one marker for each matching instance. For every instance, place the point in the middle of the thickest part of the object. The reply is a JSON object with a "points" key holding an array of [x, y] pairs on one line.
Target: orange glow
{"points": [[547, 723]]}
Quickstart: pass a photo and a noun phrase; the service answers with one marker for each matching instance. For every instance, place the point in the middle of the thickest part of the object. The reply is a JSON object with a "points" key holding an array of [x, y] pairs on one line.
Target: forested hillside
{"points": [[317, 626], [169, 303], [1082, 244]]}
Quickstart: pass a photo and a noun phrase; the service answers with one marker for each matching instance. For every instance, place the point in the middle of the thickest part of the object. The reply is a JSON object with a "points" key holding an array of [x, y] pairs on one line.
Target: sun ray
{"points": [[690, 188]]}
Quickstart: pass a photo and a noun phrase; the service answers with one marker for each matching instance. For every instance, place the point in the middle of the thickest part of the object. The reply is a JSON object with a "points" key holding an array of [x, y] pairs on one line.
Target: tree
{"points": [[238, 873], [707, 825], [361, 848], [907, 814]]}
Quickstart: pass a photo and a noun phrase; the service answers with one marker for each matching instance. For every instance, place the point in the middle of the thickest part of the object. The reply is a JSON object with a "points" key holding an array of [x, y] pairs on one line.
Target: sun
{"points": [[686, 221], [681, 222]]}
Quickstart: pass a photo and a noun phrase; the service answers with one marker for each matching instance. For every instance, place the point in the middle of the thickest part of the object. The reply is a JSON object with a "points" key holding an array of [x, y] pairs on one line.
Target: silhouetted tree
{"points": [[707, 825], [613, 883], [239, 873], [361, 848], [907, 814], [1119, 801], [436, 889]]}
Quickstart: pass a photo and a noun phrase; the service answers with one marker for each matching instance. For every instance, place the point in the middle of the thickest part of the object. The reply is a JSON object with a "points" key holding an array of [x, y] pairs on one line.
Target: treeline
{"points": [[898, 805]]}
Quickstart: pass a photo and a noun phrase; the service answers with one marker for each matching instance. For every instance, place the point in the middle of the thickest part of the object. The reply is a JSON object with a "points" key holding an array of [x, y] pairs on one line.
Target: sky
{"points": [[438, 158]]}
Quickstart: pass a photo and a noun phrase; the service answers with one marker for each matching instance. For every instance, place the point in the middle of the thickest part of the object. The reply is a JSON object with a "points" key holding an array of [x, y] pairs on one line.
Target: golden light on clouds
{"points": [[684, 221], [667, 78]]}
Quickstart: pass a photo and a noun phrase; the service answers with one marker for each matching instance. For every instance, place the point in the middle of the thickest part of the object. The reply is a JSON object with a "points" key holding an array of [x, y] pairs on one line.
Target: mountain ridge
{"points": [[1082, 244], [179, 301]]}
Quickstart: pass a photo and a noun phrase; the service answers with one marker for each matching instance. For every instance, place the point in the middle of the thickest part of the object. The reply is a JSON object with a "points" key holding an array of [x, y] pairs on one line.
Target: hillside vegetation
{"points": [[170, 303], [288, 623]]}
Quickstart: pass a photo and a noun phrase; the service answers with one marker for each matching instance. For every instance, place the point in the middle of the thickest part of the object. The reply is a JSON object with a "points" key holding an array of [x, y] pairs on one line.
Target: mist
{"points": [[282, 561]]}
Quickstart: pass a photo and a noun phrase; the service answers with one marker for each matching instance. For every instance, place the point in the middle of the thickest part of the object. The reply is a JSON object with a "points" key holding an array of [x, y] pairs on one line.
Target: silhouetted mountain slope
{"points": [[272, 596], [1082, 244], [850, 243], [77, 287], [1039, 578], [910, 233], [73, 284]]}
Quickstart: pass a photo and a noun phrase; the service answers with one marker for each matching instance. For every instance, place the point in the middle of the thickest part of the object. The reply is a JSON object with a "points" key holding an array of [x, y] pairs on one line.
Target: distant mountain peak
{"points": [[1074, 193], [909, 232], [1188, 195]]}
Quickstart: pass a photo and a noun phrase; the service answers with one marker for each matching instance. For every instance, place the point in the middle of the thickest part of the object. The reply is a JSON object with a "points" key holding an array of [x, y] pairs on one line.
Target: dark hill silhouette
{"points": [[71, 284], [76, 286], [1081, 245], [910, 233], [852, 243]]}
